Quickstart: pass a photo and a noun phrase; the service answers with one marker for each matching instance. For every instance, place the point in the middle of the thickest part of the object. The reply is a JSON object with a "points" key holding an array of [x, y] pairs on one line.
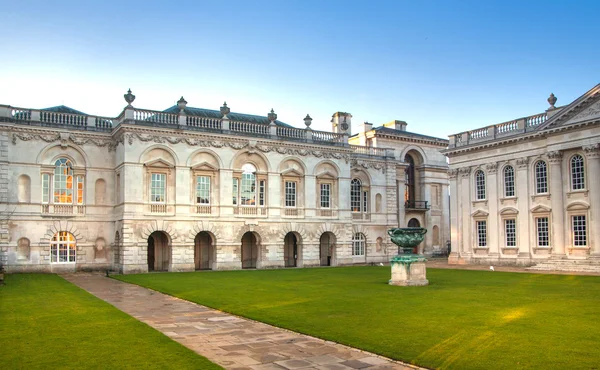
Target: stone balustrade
{"points": [[497, 131], [372, 151]]}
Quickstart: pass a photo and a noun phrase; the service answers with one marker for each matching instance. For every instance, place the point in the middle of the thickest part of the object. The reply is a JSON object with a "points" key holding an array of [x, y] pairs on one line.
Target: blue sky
{"points": [[442, 66]]}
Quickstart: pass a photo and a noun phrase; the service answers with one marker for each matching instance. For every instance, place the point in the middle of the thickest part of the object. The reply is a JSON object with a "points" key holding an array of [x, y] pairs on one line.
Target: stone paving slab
{"points": [[230, 341]]}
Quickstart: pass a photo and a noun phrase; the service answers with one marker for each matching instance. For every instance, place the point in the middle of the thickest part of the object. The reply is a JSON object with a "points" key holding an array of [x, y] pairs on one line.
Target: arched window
{"points": [[62, 247], [480, 185], [509, 181], [67, 188], [248, 185], [541, 177], [358, 197], [358, 244], [577, 173], [409, 179]]}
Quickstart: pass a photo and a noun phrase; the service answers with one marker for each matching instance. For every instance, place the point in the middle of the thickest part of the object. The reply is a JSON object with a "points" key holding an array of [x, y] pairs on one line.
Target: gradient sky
{"points": [[442, 66]]}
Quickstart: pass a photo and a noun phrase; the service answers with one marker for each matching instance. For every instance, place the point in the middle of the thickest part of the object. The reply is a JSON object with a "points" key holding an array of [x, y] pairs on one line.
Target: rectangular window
{"points": [[45, 188], [203, 190], [290, 194], [482, 234], [510, 229], [509, 182], [365, 201], [79, 189], [118, 188], [579, 231], [543, 239], [261, 193], [248, 190], [158, 187], [325, 195], [235, 191]]}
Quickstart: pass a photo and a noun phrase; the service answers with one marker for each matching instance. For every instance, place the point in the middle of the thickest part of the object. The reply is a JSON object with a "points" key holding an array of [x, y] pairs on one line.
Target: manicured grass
{"points": [[49, 323], [462, 320]]}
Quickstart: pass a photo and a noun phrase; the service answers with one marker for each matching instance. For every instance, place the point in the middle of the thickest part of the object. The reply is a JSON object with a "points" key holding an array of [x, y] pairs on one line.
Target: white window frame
{"points": [[510, 232], [359, 196], [509, 181], [481, 229], [290, 194], [480, 190], [50, 176], [153, 181], [359, 242], [203, 184], [542, 232], [577, 172], [541, 177], [325, 193], [579, 230], [63, 241]]}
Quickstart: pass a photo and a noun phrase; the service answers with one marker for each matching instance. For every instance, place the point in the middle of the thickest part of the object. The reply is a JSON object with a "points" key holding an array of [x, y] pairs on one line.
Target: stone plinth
{"points": [[409, 270]]}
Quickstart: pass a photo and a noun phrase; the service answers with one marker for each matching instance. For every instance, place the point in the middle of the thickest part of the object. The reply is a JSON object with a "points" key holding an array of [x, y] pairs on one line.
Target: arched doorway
{"points": [[290, 250], [249, 250], [204, 251], [159, 252], [327, 248]]}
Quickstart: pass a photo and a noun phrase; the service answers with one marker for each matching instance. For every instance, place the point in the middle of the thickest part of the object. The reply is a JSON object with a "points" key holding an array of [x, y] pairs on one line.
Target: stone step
{"points": [[565, 267]]}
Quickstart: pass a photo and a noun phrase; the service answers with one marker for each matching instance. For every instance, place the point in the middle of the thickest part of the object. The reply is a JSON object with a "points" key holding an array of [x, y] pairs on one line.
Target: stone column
{"points": [[592, 153], [492, 196], [558, 209], [523, 220], [454, 216], [401, 210], [466, 248], [445, 224]]}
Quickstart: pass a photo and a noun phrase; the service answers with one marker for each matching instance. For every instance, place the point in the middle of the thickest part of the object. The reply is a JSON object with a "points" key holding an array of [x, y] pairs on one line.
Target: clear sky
{"points": [[442, 66]]}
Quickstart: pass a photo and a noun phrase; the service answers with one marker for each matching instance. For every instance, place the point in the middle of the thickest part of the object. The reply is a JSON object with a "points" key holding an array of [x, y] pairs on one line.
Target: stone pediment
{"points": [[509, 211], [161, 163], [479, 213], [204, 166], [326, 175], [589, 113], [291, 172], [583, 109], [578, 206], [541, 209]]}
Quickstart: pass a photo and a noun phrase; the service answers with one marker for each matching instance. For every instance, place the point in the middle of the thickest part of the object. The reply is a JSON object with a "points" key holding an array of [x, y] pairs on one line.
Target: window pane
{"points": [[63, 181], [248, 190], [235, 191], [482, 233], [290, 194], [261, 193], [325, 195], [541, 177], [158, 187], [480, 184], [542, 232], [79, 189], [509, 181], [577, 173], [579, 231], [358, 244], [355, 187], [510, 229], [45, 188], [202, 189], [62, 247]]}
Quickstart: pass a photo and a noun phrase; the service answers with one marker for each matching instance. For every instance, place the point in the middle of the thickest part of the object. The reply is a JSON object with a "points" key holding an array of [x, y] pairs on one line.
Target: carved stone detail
{"points": [[65, 138], [522, 162], [366, 165], [555, 156], [465, 171], [594, 110], [491, 168], [592, 151], [452, 173]]}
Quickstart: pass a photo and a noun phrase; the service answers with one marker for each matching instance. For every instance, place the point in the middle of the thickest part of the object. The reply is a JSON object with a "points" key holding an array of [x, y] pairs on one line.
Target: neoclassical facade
{"points": [[187, 189], [528, 190]]}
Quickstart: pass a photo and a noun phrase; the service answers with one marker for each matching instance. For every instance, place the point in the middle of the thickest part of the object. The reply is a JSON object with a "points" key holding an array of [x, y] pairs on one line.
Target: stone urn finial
{"points": [[181, 104], [272, 116], [129, 97], [552, 100], [307, 121], [225, 109]]}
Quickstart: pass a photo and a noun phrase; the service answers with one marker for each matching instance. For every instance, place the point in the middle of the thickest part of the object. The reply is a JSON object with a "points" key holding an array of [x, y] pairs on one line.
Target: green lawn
{"points": [[462, 320], [48, 323]]}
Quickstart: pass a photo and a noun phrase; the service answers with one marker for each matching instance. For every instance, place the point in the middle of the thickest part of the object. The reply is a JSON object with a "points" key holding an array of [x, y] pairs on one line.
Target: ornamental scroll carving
{"points": [[592, 151], [522, 162], [491, 168], [465, 171], [453, 173], [65, 138], [366, 165], [555, 156]]}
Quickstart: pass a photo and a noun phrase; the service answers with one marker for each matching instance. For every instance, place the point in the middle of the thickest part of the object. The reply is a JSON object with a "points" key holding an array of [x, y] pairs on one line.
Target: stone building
{"points": [[527, 191], [187, 188]]}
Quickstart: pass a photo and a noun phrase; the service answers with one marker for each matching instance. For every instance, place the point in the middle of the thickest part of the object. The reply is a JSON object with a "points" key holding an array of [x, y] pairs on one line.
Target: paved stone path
{"points": [[230, 341]]}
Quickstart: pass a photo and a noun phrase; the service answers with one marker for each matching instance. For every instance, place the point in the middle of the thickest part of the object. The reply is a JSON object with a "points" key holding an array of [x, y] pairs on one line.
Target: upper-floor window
{"points": [[541, 177], [158, 188], [203, 190], [358, 244], [409, 179], [577, 173], [290, 194], [480, 185], [63, 184], [325, 195], [248, 189], [358, 197], [509, 181]]}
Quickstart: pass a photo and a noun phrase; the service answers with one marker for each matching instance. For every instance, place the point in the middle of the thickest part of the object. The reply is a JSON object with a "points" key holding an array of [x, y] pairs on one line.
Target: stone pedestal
{"points": [[409, 270]]}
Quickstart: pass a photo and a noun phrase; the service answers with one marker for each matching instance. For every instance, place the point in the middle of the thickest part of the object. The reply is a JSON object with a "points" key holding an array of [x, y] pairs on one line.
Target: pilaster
{"points": [[523, 219], [592, 153], [454, 217], [493, 224], [556, 198]]}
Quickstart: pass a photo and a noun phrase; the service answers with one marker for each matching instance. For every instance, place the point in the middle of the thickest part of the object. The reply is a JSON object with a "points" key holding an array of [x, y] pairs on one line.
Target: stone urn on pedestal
{"points": [[408, 269]]}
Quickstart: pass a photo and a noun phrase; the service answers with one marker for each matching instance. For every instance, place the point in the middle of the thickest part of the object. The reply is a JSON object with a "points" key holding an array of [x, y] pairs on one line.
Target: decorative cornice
{"points": [[592, 151], [366, 165], [554, 156], [465, 171], [452, 173], [65, 138], [522, 162]]}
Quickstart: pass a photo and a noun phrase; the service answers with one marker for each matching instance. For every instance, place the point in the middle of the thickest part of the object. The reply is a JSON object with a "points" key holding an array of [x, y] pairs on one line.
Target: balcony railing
{"points": [[421, 205], [203, 210], [49, 118], [372, 151], [63, 209], [249, 211], [293, 212], [329, 213], [158, 208], [498, 131], [357, 216]]}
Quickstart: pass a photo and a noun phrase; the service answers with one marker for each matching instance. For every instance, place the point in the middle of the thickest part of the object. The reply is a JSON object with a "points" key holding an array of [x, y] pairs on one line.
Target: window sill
{"points": [[540, 196], [579, 251], [510, 250], [480, 202], [542, 250], [575, 193]]}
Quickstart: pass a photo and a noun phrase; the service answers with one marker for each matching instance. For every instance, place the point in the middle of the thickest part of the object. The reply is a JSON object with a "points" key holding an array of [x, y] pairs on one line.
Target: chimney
{"points": [[341, 122], [366, 127], [397, 125]]}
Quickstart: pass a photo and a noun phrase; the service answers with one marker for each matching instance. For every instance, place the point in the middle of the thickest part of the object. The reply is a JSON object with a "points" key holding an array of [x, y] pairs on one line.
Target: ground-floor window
{"points": [[358, 244], [542, 231], [510, 229], [579, 231], [482, 234], [62, 247]]}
